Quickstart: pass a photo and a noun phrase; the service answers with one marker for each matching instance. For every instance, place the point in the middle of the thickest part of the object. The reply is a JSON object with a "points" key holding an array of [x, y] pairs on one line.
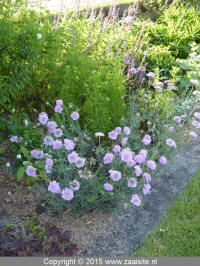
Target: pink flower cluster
{"points": [[121, 153], [58, 108], [73, 158], [37, 154], [67, 193]]}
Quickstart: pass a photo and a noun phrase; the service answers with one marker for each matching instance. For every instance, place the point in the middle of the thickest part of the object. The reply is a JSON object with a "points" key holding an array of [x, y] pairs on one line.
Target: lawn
{"points": [[179, 233]]}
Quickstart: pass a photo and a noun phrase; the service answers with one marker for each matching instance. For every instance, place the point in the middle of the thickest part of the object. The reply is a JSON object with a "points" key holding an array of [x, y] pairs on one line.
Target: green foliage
{"points": [[42, 62], [170, 35], [29, 65], [186, 73]]}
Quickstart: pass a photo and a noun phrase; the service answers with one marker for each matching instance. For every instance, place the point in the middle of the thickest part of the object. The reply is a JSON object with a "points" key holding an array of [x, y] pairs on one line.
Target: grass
{"points": [[179, 233]]}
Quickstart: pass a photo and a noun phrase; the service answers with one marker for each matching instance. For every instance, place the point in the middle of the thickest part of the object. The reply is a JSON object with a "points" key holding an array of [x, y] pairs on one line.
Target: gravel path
{"points": [[123, 235]]}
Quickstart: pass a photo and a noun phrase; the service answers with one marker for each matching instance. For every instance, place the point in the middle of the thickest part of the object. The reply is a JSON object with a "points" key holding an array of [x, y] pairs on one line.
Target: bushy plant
{"points": [[84, 174]]}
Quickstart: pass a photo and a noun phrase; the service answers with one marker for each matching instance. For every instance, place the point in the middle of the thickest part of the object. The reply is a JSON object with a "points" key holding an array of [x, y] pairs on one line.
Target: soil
{"points": [[101, 234]]}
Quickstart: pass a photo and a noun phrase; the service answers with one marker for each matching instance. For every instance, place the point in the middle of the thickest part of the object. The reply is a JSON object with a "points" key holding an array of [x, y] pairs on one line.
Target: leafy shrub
{"points": [[29, 59], [44, 61], [187, 74], [170, 35]]}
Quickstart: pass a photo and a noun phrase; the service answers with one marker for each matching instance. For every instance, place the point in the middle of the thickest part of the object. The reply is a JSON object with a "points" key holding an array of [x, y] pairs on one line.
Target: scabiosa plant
{"points": [[31, 171], [146, 140], [75, 115], [177, 119], [54, 187], [163, 160], [82, 175], [108, 158], [67, 194], [135, 200], [171, 143], [193, 134], [146, 189], [113, 134], [43, 118], [108, 187]]}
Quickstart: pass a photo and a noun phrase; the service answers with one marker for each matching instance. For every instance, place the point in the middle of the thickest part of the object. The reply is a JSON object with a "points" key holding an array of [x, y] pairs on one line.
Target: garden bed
{"points": [[89, 119], [102, 234]]}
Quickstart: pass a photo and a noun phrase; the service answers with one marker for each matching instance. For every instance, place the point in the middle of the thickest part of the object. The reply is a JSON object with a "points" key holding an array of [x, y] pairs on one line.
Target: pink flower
{"points": [[69, 144], [196, 124], [43, 118], [112, 135], [37, 154], [146, 189], [67, 194], [139, 158], [59, 102], [193, 134], [115, 175], [147, 177], [31, 171], [108, 187], [48, 140], [99, 134], [116, 148], [131, 163], [135, 199], [171, 129], [118, 130], [151, 164], [132, 182], [197, 115], [58, 109], [127, 131], [146, 140], [163, 160], [108, 158], [124, 141], [80, 162], [49, 162], [58, 132], [126, 155], [144, 153], [57, 144], [14, 139], [74, 185], [54, 187], [177, 119], [51, 126], [72, 157], [170, 143], [75, 115], [138, 170]]}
